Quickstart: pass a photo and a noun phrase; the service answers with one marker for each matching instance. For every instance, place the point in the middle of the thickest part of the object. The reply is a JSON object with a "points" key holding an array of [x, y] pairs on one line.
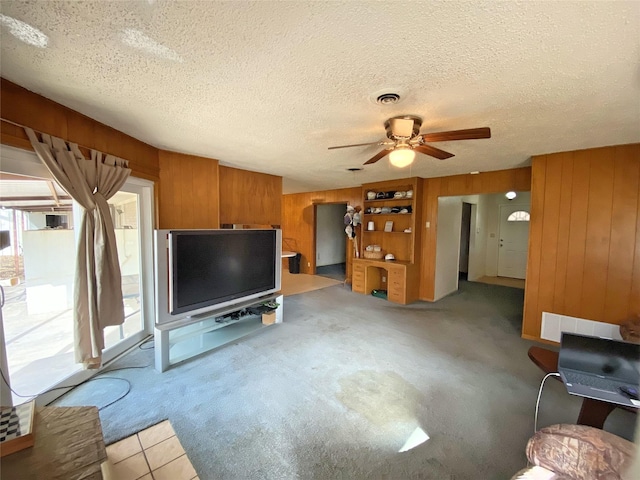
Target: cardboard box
{"points": [[269, 318]]}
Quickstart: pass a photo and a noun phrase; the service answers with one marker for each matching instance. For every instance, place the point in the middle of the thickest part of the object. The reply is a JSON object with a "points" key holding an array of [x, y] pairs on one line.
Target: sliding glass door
{"points": [[37, 267]]}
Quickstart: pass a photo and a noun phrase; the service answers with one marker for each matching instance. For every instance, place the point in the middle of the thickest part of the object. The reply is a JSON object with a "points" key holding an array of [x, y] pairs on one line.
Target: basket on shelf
{"points": [[373, 255]]}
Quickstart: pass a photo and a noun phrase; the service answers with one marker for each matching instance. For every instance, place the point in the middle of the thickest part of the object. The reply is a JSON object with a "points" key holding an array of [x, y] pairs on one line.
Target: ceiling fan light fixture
{"points": [[402, 156]]}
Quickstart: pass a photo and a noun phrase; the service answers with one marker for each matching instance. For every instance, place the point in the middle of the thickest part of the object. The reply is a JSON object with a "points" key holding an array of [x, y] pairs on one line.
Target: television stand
{"points": [[178, 341]]}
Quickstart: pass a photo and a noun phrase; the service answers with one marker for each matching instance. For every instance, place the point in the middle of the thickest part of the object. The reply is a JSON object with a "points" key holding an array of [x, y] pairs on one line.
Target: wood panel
{"points": [[250, 197], [298, 221], [518, 179], [584, 243], [563, 230], [28, 109], [532, 284], [626, 193], [188, 191]]}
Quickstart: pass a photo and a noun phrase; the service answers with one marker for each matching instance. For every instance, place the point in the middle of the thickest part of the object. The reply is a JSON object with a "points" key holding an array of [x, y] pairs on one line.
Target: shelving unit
{"points": [[400, 277], [179, 341], [397, 242]]}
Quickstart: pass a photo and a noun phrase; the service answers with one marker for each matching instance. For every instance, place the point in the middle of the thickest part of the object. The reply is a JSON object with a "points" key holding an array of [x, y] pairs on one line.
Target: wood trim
{"points": [[20, 107]]}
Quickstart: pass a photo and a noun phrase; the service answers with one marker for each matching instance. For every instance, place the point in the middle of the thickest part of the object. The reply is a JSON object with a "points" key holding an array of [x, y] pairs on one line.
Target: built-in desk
{"points": [[400, 279]]}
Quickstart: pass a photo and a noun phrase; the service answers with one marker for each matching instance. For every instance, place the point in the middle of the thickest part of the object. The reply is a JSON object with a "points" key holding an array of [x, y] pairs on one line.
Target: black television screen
{"points": [[209, 267]]}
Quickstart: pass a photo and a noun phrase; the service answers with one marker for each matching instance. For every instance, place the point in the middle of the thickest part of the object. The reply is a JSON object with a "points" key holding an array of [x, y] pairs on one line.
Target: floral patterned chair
{"points": [[579, 452]]}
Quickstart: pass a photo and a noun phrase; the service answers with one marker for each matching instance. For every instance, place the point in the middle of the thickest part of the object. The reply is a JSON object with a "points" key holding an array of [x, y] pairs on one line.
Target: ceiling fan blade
{"points": [[433, 152], [376, 157], [401, 127], [354, 145], [469, 134]]}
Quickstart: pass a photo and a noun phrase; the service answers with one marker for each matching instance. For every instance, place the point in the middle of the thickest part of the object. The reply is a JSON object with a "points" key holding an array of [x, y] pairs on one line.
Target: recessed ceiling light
{"points": [[136, 39], [25, 32], [474, 173]]}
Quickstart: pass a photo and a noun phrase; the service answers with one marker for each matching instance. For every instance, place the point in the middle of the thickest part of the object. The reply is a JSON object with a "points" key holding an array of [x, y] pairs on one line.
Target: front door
{"points": [[514, 238]]}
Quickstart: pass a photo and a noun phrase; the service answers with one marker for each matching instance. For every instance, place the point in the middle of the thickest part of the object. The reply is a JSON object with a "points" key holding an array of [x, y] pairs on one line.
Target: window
{"points": [[519, 216]]}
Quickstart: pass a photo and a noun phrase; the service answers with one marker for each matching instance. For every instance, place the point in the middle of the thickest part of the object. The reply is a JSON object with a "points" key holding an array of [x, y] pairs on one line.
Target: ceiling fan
{"points": [[404, 139]]}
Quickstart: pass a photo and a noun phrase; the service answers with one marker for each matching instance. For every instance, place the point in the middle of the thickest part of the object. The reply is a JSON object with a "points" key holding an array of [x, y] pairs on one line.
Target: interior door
{"points": [[514, 238]]}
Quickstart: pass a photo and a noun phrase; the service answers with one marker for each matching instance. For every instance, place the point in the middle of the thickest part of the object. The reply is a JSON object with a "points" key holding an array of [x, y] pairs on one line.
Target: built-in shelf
{"points": [[401, 199]]}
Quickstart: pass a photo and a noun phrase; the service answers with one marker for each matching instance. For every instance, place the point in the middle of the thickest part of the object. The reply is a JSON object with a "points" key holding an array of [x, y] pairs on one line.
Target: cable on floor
{"points": [[535, 419], [72, 387]]}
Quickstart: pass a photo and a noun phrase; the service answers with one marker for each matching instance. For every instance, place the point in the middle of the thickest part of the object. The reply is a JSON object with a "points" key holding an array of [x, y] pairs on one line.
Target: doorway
{"points": [[331, 255], [481, 257], [465, 238]]}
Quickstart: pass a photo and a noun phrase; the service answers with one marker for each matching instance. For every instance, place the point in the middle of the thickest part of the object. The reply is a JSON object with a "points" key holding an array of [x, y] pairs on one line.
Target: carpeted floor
{"points": [[337, 389]]}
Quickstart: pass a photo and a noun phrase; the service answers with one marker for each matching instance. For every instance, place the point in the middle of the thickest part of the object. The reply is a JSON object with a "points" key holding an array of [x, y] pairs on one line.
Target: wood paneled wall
{"points": [[250, 197], [584, 240], [25, 108], [188, 191], [518, 179], [298, 219]]}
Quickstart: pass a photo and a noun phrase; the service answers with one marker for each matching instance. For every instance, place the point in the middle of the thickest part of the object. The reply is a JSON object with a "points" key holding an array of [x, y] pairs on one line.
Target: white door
{"points": [[514, 238]]}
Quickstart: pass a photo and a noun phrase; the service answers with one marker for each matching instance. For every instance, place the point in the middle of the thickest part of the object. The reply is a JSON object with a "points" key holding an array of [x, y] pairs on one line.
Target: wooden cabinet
{"points": [[400, 279], [396, 202], [357, 278]]}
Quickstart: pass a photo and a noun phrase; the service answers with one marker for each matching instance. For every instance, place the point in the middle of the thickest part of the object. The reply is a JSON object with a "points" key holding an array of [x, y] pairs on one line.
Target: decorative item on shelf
{"points": [[389, 257], [389, 194], [373, 255], [407, 230], [371, 226], [388, 226], [409, 193], [385, 210], [371, 195], [377, 210], [380, 195]]}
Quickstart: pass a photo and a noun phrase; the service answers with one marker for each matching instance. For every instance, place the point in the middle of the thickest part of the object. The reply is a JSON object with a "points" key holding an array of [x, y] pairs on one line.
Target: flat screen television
{"points": [[200, 271]]}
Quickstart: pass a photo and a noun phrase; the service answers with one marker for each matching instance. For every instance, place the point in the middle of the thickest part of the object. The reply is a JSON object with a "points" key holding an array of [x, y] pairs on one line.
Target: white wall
{"points": [[447, 245], [492, 218], [330, 234]]}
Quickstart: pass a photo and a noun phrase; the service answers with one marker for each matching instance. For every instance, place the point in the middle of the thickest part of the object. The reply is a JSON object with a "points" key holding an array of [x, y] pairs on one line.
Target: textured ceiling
{"points": [[268, 86]]}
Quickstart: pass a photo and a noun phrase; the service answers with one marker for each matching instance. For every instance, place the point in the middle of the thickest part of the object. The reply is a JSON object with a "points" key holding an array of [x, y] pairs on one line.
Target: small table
{"points": [[68, 444], [593, 413]]}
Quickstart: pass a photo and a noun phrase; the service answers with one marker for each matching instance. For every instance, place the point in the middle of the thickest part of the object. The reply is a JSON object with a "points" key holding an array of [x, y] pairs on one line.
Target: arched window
{"points": [[519, 216]]}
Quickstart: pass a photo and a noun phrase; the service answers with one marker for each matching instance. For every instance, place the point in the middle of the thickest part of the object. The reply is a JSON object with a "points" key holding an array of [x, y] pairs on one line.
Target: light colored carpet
{"points": [[335, 391], [503, 281], [295, 283]]}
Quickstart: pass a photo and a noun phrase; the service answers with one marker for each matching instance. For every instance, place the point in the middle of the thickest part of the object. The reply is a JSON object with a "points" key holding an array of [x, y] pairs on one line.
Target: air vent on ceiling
{"points": [[388, 98]]}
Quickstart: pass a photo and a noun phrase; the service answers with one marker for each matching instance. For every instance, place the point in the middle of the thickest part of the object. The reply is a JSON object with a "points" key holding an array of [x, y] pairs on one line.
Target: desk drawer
{"points": [[357, 286]]}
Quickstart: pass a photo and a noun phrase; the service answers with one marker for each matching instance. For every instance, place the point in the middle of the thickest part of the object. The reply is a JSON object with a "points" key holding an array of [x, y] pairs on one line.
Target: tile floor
{"points": [[152, 454]]}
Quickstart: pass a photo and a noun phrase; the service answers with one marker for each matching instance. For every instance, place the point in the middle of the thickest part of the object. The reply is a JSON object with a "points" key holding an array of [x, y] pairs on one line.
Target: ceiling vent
{"points": [[388, 99]]}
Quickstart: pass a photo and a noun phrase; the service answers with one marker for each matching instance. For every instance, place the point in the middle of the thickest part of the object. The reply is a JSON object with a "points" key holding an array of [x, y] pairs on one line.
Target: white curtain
{"points": [[98, 284]]}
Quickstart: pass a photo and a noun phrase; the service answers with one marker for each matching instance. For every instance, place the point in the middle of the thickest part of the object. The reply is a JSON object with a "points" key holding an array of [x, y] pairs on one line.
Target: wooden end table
{"points": [[68, 444], [593, 412]]}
